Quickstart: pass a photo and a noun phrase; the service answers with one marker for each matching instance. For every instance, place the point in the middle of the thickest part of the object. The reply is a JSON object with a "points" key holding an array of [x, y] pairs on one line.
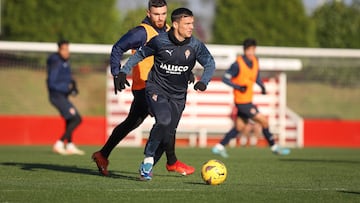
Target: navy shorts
{"points": [[62, 104], [167, 112], [246, 111]]}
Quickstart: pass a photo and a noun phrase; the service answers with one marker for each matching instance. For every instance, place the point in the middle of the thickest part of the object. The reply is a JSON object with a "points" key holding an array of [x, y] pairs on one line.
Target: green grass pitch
{"points": [[35, 174]]}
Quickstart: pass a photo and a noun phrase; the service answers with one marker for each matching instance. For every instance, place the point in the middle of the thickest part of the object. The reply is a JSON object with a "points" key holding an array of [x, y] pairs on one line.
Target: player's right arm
{"points": [[54, 65], [141, 53], [133, 39], [232, 72]]}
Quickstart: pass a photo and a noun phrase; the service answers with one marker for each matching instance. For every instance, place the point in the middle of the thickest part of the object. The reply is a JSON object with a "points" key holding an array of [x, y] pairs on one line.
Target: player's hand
{"points": [[73, 88], [120, 82], [191, 78], [200, 86], [242, 88], [263, 90]]}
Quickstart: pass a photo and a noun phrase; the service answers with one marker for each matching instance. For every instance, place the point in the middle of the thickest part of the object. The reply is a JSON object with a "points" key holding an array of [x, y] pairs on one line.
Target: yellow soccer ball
{"points": [[213, 172]]}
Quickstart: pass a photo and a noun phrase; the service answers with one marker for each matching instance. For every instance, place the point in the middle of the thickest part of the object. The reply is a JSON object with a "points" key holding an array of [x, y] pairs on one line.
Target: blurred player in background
{"points": [[241, 76], [250, 134], [153, 24], [60, 85], [175, 54]]}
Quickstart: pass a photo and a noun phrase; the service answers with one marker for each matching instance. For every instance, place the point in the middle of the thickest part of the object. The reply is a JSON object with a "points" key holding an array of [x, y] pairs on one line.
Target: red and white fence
{"points": [[209, 113]]}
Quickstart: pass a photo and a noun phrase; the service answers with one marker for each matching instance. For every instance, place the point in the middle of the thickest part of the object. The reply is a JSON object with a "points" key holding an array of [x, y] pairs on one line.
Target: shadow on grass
{"points": [[321, 161], [350, 192], [67, 169], [196, 183], [155, 174]]}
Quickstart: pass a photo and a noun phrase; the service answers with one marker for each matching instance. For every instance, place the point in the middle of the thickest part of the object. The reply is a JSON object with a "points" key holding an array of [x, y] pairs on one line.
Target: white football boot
{"points": [[59, 148], [72, 149]]}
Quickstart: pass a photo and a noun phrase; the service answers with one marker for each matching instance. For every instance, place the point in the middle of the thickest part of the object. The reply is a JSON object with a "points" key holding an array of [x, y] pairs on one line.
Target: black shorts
{"points": [[246, 111], [139, 106]]}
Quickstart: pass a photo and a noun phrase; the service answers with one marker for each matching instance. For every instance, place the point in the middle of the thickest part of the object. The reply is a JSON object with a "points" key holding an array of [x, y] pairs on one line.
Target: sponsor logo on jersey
{"points": [[174, 69]]}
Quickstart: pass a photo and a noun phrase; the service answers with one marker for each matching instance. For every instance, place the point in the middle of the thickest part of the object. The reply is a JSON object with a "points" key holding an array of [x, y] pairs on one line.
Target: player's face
{"points": [[64, 51], [250, 52], [184, 27], [157, 16]]}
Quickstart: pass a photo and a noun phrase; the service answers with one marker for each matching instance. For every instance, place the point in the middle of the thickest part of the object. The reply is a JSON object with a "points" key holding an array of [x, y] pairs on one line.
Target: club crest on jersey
{"points": [[187, 53], [154, 97], [65, 65]]}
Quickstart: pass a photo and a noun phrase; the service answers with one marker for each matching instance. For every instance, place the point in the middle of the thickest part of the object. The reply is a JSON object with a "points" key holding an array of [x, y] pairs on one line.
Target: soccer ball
{"points": [[213, 172]]}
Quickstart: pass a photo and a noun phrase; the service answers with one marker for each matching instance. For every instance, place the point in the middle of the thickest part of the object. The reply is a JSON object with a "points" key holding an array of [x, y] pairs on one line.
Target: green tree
{"points": [[83, 21], [271, 22], [134, 17], [338, 25]]}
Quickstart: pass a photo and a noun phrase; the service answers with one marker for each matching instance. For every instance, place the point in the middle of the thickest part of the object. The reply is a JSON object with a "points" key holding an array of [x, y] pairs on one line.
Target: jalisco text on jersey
{"points": [[174, 69]]}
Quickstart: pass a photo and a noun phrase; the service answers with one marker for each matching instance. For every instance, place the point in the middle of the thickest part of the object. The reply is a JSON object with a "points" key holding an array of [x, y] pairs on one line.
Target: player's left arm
{"points": [[73, 87], [260, 83], [204, 57], [53, 72]]}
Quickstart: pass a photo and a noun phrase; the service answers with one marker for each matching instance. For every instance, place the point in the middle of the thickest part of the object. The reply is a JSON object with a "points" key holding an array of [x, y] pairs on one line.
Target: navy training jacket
{"points": [[58, 74], [173, 63]]}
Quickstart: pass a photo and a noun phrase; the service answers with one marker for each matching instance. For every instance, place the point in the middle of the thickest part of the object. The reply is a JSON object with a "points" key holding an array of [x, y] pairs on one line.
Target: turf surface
{"points": [[35, 174]]}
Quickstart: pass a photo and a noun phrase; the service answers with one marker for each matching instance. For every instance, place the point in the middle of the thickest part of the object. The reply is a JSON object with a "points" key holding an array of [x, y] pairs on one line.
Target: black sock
{"points": [[268, 136], [70, 126], [170, 151], [228, 136], [120, 132]]}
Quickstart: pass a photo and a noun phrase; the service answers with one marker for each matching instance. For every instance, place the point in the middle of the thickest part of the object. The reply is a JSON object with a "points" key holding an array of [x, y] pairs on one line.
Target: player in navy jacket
{"points": [[154, 23], [60, 85], [175, 54]]}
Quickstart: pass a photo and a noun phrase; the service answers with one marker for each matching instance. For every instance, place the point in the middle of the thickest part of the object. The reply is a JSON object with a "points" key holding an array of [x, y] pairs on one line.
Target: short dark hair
{"points": [[248, 43], [156, 3], [179, 13], [62, 41]]}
